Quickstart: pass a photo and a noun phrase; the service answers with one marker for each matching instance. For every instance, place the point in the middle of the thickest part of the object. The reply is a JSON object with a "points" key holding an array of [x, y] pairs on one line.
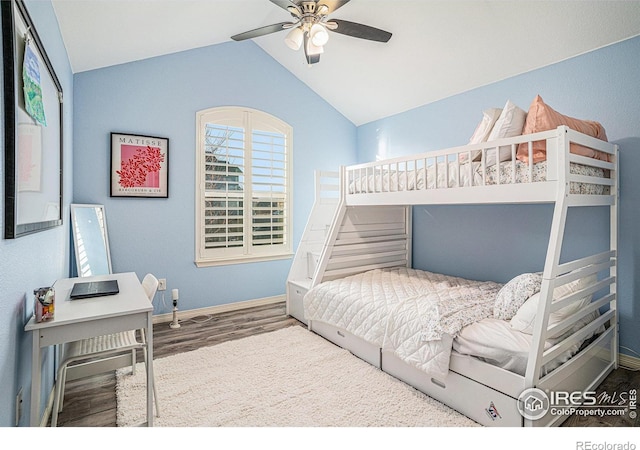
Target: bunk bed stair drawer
{"points": [[481, 403], [342, 338], [295, 306]]}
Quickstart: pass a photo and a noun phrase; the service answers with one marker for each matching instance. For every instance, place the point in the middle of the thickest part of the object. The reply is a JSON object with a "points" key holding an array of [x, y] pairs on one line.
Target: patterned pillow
{"points": [[513, 294]]}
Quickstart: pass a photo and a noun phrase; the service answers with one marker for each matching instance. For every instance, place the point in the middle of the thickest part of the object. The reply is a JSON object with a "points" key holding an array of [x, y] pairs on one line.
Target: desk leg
{"points": [[150, 398], [34, 419]]}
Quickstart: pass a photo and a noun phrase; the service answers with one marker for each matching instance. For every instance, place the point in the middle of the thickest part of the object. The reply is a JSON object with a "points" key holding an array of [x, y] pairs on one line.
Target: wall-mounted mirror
{"points": [[90, 240]]}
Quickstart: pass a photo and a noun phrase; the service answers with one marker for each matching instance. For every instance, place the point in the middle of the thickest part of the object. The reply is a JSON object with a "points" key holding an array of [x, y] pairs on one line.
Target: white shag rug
{"points": [[286, 378]]}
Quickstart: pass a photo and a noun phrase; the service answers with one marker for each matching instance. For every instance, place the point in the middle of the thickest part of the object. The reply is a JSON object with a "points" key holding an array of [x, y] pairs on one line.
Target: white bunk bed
{"points": [[370, 233]]}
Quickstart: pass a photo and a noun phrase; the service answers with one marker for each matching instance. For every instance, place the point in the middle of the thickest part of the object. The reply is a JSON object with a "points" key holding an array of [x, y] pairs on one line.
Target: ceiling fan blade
{"points": [[284, 4], [261, 31], [360, 31], [333, 4]]}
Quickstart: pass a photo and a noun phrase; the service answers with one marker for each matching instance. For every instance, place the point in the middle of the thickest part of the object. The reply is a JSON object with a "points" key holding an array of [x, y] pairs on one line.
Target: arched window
{"points": [[243, 189]]}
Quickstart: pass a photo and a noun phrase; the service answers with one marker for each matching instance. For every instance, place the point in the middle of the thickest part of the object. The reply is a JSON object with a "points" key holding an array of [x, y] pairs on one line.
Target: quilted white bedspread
{"points": [[413, 313], [420, 331]]}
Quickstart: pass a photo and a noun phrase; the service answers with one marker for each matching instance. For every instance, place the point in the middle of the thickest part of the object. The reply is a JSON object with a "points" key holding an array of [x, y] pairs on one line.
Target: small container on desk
{"points": [[44, 303]]}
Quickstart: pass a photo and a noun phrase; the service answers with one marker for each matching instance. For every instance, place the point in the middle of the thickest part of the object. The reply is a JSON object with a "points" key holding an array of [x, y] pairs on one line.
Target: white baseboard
{"points": [[629, 362], [184, 315]]}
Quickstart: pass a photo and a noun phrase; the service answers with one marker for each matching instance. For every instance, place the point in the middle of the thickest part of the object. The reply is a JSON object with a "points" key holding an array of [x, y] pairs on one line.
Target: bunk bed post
{"points": [[614, 215], [532, 375], [556, 157], [409, 241]]}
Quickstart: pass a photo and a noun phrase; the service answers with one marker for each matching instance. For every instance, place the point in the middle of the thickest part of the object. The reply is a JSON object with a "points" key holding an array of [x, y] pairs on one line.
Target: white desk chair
{"points": [[102, 354]]}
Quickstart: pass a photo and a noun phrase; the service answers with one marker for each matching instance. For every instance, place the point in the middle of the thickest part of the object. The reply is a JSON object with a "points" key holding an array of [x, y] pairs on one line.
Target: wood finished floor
{"points": [[91, 402]]}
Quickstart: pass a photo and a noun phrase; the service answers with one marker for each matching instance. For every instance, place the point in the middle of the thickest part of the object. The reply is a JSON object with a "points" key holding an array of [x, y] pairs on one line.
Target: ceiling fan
{"points": [[310, 26]]}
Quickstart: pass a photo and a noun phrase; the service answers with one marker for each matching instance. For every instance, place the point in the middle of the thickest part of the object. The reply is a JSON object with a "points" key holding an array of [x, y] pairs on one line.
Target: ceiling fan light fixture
{"points": [[313, 49], [294, 38], [319, 35]]}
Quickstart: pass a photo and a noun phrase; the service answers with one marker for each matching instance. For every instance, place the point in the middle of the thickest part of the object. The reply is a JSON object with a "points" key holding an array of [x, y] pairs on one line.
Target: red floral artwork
{"points": [[140, 166]]}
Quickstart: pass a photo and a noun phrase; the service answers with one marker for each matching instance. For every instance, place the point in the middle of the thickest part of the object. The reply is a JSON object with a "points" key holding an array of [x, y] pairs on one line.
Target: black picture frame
{"points": [[33, 159], [139, 166]]}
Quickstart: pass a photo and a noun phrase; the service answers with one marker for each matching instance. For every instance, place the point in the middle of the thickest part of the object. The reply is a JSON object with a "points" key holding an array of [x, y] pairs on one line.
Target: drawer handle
{"points": [[340, 333], [439, 383]]}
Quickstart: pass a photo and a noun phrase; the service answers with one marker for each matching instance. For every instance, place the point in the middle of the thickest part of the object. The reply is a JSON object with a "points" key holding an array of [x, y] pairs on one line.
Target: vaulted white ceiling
{"points": [[439, 48]]}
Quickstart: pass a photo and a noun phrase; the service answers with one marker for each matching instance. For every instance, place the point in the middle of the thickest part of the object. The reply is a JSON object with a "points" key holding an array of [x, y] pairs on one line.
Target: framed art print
{"points": [[139, 166], [33, 113]]}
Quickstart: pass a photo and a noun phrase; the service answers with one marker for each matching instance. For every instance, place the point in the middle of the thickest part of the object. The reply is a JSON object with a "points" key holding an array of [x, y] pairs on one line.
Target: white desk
{"points": [[79, 319]]}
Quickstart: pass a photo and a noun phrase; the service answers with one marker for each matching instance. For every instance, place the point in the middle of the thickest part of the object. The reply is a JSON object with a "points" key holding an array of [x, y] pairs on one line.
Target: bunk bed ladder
{"points": [[532, 375], [587, 368]]}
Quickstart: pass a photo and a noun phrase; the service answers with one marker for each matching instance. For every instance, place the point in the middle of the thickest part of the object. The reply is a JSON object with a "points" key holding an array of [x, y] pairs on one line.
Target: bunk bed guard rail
{"points": [[447, 176]]}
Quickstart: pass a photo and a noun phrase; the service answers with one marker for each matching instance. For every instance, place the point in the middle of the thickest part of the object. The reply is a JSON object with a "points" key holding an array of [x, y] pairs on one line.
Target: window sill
{"points": [[241, 260]]}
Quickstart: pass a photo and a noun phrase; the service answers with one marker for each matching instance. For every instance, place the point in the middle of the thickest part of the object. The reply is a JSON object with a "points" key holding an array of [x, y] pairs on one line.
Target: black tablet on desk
{"points": [[94, 289]]}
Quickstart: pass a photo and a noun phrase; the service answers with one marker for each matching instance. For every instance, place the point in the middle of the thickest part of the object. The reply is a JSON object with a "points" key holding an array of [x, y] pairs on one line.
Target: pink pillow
{"points": [[541, 117]]}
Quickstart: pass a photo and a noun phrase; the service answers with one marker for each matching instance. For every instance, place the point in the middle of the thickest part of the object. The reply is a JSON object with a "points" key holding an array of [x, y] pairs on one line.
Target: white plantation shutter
{"points": [[244, 209], [223, 195], [269, 185]]}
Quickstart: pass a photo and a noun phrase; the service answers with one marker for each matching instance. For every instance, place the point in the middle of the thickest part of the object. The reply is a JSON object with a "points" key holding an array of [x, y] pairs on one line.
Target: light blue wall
{"points": [[498, 242], [35, 260], [160, 97]]}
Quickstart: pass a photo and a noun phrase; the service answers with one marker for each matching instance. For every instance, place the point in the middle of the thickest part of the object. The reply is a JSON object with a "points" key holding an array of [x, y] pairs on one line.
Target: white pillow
{"points": [[515, 293], [489, 117], [509, 124], [483, 130], [525, 317]]}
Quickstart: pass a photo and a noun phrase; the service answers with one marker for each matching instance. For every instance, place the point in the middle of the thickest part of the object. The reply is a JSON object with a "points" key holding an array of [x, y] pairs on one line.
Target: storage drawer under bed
{"points": [[481, 403], [342, 338]]}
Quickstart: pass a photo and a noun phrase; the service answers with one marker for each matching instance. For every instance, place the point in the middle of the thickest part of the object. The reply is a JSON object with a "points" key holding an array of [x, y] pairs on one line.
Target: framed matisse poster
{"points": [[139, 166]]}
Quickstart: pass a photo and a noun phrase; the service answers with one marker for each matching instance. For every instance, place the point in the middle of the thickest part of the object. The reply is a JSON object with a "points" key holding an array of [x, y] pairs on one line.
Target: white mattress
{"points": [[495, 342]]}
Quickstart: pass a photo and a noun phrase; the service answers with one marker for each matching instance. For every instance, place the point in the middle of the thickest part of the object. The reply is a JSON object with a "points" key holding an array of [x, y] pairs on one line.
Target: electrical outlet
{"points": [[162, 284], [18, 407]]}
